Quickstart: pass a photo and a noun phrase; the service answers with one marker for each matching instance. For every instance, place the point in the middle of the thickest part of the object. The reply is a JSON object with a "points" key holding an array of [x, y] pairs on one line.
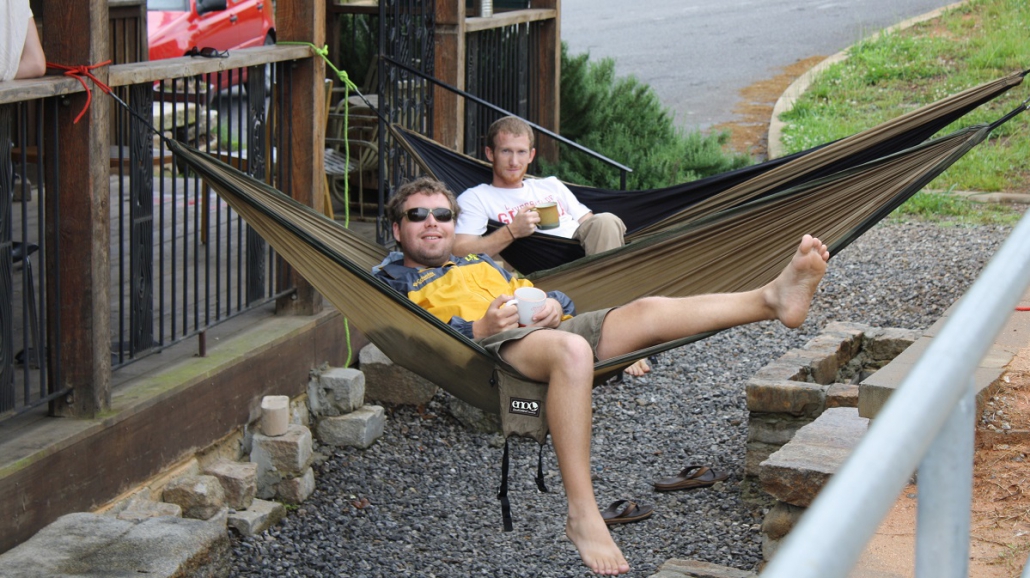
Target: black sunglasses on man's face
{"points": [[421, 214]]}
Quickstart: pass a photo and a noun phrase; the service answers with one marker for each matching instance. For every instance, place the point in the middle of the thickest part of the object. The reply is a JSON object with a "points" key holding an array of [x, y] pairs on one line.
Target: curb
{"points": [[800, 85]]}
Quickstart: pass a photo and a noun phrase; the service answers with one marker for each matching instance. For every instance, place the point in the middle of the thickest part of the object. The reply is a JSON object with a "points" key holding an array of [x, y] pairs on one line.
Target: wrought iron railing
{"points": [[181, 261]]}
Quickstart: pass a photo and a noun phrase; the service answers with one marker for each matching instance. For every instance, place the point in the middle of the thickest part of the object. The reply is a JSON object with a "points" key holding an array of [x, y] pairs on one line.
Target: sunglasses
{"points": [[421, 214], [207, 52]]}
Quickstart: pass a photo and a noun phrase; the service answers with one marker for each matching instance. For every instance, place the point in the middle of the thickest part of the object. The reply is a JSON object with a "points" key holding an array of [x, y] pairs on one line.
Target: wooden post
{"points": [[304, 21], [449, 64], [78, 220], [549, 81]]}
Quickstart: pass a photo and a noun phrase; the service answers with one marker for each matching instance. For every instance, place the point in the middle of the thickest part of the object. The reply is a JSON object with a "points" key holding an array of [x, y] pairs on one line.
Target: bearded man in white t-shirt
{"points": [[511, 198]]}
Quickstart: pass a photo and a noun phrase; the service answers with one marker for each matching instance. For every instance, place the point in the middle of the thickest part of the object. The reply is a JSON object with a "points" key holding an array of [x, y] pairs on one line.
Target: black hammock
{"points": [[647, 212]]}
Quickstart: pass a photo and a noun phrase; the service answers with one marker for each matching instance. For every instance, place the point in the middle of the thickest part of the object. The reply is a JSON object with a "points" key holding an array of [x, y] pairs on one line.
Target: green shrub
{"points": [[622, 118]]}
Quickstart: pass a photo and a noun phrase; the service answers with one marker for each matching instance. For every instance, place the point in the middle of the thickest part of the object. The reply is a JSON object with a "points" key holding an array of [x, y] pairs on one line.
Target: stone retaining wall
{"points": [[793, 390]]}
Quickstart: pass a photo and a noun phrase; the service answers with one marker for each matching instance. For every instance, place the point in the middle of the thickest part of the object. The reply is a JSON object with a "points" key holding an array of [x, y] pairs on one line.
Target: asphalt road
{"points": [[698, 54]]}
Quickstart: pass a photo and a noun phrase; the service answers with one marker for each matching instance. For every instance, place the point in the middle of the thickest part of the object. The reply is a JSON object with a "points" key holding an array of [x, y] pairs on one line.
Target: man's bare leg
{"points": [[653, 320], [566, 362]]}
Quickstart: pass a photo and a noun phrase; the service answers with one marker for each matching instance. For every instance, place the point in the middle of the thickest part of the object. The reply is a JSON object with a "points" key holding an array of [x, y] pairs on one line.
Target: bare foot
{"points": [[791, 293], [639, 368], [595, 545]]}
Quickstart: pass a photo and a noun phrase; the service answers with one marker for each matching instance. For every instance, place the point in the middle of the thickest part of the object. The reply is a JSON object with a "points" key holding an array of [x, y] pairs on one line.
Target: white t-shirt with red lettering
{"points": [[485, 202]]}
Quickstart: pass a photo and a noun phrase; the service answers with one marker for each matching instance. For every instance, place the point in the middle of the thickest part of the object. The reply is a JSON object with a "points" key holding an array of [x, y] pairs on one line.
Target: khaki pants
{"points": [[600, 233]]}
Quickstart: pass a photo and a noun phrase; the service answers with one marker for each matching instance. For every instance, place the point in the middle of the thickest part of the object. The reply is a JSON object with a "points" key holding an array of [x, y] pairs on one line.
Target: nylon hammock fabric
{"points": [[649, 212], [731, 250]]}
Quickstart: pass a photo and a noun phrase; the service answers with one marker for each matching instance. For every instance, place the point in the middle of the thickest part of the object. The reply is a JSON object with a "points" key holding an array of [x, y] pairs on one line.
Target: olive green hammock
{"points": [[739, 248]]}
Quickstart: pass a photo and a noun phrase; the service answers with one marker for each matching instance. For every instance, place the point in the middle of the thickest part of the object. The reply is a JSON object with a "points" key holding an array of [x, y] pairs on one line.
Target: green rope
{"points": [[345, 80]]}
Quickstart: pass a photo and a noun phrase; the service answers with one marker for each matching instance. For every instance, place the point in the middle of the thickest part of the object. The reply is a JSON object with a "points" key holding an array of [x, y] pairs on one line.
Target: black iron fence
{"points": [[500, 69], [180, 260]]}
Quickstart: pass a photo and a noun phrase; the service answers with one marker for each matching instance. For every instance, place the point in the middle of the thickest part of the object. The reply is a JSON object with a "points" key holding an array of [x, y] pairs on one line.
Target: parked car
{"points": [[176, 26]]}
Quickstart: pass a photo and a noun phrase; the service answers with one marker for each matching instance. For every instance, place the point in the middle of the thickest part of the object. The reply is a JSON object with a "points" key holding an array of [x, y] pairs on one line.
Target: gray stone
{"points": [[358, 429], [883, 344], [796, 398], [774, 429], [260, 516], [389, 383], [842, 395], [83, 544], [791, 366], [281, 457], [239, 481], [138, 508], [338, 391], [780, 520], [796, 472], [697, 569], [472, 417], [757, 452], [200, 497], [296, 490]]}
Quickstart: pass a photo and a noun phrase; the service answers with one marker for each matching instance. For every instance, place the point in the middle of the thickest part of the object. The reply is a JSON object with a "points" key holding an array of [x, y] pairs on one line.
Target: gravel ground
{"points": [[421, 501]]}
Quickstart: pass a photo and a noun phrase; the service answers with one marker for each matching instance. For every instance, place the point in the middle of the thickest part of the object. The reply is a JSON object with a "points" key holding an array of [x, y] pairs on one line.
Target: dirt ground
{"points": [[749, 133], [1001, 478], [1000, 523]]}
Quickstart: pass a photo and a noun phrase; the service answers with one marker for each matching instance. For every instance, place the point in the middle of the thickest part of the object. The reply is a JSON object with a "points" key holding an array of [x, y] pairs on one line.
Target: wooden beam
{"points": [[548, 85], [304, 21], [78, 215], [502, 19], [449, 67]]}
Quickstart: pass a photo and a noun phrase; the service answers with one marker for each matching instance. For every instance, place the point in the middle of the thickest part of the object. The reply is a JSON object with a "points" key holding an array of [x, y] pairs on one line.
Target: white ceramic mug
{"points": [[530, 300]]}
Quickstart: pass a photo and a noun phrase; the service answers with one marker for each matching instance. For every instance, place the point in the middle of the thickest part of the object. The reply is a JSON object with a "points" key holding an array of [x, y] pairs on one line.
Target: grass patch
{"points": [[895, 73], [951, 209]]}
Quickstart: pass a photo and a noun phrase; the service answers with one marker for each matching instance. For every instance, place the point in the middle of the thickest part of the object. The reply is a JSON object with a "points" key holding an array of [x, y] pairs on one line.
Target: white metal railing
{"points": [[928, 422]]}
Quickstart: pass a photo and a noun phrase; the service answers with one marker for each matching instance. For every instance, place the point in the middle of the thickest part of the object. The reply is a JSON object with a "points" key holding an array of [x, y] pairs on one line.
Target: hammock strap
{"points": [[502, 493], [540, 471]]}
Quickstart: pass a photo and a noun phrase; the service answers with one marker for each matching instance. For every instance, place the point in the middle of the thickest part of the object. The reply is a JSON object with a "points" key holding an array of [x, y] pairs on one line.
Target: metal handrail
{"points": [[623, 169], [929, 421]]}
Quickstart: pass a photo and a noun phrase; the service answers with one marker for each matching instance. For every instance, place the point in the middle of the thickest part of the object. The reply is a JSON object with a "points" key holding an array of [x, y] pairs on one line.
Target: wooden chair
{"points": [[361, 167]]}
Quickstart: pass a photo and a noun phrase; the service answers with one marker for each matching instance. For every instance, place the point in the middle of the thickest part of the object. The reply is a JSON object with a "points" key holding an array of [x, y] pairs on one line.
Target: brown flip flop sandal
{"points": [[625, 511], [692, 476]]}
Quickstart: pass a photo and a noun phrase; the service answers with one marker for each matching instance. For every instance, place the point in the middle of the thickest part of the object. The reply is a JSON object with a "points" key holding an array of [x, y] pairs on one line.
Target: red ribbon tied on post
{"points": [[77, 72]]}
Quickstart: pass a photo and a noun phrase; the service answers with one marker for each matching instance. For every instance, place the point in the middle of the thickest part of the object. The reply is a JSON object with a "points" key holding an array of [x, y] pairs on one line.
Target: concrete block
{"points": [[791, 366], [338, 391], [84, 544], [360, 428], [260, 516], [842, 395], [389, 383], [278, 458], [774, 429], [797, 398], [139, 507], [239, 481], [296, 490], [275, 415], [796, 472], [200, 497], [699, 569]]}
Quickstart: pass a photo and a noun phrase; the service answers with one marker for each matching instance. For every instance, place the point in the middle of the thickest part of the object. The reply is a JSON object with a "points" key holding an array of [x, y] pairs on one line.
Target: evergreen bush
{"points": [[622, 118]]}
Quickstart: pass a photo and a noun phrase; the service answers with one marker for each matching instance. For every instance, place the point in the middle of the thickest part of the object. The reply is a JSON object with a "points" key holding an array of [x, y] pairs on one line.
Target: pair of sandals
{"points": [[692, 477]]}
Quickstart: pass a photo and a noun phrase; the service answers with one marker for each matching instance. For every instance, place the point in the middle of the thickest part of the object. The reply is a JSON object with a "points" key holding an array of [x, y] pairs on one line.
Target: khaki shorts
{"points": [[587, 326]]}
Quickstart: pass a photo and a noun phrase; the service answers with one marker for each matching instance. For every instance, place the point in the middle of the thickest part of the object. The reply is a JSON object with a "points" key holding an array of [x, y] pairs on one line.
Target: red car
{"points": [[176, 26]]}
